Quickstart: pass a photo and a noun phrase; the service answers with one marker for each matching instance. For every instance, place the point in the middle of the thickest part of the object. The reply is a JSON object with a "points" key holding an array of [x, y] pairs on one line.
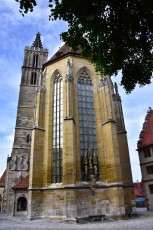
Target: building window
{"points": [[33, 79], [147, 153], [151, 188], [28, 138], [57, 158], [22, 204], [35, 61], [149, 169], [86, 119]]}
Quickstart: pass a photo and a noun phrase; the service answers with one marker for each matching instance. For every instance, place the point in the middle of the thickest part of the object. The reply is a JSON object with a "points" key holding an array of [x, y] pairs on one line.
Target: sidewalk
{"points": [[144, 221]]}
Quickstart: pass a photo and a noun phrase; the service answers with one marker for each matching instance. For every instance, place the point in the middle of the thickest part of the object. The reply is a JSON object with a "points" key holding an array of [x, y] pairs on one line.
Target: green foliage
{"points": [[115, 34], [26, 5]]}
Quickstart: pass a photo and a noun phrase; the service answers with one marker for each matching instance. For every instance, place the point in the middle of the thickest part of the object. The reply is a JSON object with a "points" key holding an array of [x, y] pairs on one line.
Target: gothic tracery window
{"points": [[86, 118], [57, 166]]}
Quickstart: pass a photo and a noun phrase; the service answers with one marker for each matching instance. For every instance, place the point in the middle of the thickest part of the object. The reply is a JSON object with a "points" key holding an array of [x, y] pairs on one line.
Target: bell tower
{"points": [[18, 162]]}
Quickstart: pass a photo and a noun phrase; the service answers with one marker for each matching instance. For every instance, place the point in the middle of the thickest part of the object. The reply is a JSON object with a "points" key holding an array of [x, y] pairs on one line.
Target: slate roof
{"points": [[2, 179], [146, 135], [24, 184]]}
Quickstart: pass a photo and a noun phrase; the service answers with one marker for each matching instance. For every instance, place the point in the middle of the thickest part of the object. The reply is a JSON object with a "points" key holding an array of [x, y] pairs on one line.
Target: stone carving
{"points": [[41, 89], [69, 67], [13, 163], [69, 75], [92, 183], [90, 168], [103, 82], [85, 163], [25, 162], [85, 75], [20, 162]]}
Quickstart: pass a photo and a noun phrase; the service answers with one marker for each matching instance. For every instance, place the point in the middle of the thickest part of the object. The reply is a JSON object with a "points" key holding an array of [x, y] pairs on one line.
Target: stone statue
{"points": [[13, 163]]}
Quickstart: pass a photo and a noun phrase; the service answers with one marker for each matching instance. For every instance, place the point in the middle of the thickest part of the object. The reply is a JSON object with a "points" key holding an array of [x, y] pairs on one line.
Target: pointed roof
{"points": [[24, 184], [146, 135], [2, 179], [62, 50], [37, 42]]}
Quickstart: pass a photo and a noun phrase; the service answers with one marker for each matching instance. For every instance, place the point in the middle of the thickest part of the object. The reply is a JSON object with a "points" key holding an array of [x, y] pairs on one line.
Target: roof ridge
{"points": [[2, 179]]}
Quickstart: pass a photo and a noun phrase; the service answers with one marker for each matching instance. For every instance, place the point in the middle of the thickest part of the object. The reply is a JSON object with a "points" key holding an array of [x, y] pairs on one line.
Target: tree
{"points": [[115, 34]]}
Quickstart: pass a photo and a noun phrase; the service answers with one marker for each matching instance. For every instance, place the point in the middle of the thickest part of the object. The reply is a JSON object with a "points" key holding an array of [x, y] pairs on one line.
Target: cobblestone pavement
{"points": [[143, 221]]}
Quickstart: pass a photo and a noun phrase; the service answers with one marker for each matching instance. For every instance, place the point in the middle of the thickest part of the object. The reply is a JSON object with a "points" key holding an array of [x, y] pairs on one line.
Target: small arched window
{"points": [[33, 80], [22, 204]]}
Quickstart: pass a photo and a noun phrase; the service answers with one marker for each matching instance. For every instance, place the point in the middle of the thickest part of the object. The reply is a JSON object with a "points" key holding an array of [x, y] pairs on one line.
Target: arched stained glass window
{"points": [[86, 121], [57, 164]]}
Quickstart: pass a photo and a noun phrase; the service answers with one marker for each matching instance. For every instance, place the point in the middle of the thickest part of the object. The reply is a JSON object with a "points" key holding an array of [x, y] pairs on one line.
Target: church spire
{"points": [[37, 42]]}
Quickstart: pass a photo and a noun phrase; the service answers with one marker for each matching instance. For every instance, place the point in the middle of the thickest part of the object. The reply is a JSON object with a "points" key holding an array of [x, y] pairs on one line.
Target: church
{"points": [[70, 156]]}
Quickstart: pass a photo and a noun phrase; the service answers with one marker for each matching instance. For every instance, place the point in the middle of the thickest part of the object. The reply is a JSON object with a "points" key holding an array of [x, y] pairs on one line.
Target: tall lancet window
{"points": [[57, 165], [33, 80], [88, 142], [35, 60]]}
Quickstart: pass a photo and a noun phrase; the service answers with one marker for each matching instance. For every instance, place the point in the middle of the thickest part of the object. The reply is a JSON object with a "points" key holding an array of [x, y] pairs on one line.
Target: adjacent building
{"points": [[2, 186], [139, 194], [145, 151], [70, 155]]}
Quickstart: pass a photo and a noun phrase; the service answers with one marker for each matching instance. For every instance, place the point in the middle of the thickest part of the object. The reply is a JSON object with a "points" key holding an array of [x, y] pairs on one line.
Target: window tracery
{"points": [[57, 158], [86, 122]]}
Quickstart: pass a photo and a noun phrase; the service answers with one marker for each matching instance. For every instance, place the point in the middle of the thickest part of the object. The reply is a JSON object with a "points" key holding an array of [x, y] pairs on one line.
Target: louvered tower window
{"points": [[33, 80], [86, 119], [57, 167], [35, 60]]}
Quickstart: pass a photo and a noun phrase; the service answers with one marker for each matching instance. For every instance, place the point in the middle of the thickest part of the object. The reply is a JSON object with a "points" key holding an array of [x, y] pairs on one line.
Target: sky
{"points": [[16, 32]]}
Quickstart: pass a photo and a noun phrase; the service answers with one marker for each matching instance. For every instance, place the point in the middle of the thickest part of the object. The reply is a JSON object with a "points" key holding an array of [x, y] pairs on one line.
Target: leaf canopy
{"points": [[115, 34]]}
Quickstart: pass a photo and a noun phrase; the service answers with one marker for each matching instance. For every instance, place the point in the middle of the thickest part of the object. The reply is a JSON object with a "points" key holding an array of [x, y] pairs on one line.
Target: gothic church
{"points": [[70, 155]]}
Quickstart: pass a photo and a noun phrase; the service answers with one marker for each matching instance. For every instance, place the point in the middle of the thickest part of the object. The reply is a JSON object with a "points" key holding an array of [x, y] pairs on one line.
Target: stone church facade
{"points": [[70, 155]]}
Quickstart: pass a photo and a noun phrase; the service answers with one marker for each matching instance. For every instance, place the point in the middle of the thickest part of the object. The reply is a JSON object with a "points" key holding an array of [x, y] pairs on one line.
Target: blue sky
{"points": [[16, 32]]}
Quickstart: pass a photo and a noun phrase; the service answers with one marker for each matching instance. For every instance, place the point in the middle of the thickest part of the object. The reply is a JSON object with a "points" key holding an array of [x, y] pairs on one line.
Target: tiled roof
{"points": [[24, 184], [2, 179], [138, 189], [64, 50], [146, 135]]}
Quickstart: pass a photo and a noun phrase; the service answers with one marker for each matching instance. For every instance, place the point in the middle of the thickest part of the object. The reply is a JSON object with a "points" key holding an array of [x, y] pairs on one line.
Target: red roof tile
{"points": [[24, 184], [138, 189], [146, 135], [2, 179]]}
